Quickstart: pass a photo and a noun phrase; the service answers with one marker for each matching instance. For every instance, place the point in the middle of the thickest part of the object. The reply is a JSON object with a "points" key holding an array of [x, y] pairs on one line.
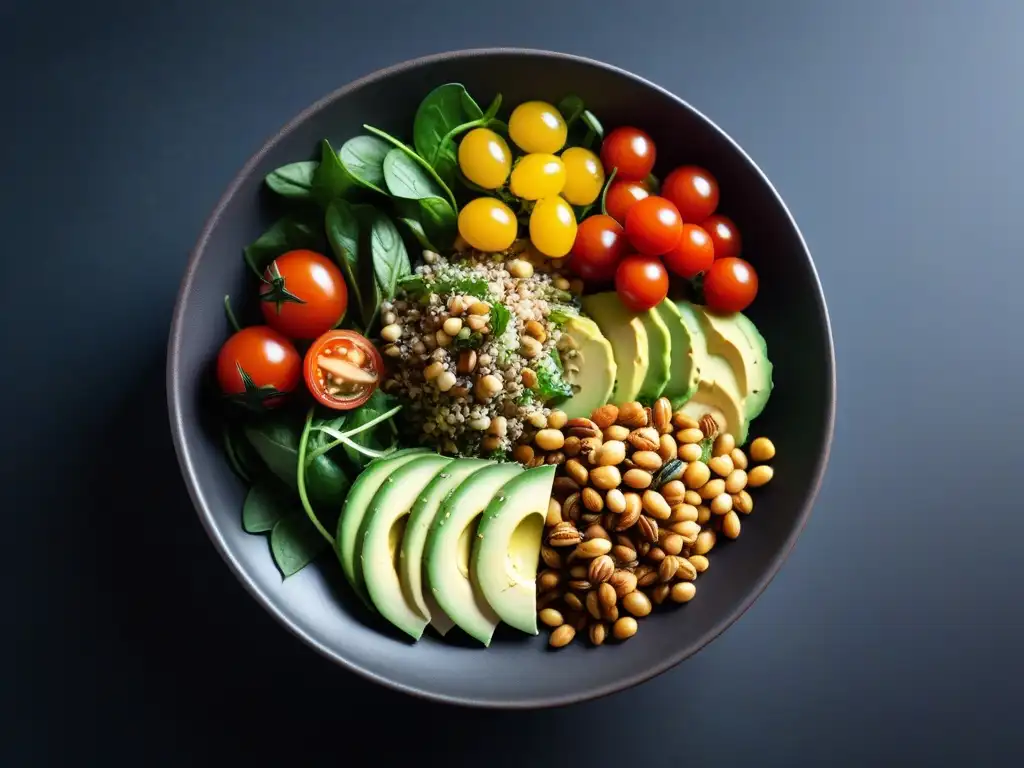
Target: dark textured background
{"points": [[893, 130]]}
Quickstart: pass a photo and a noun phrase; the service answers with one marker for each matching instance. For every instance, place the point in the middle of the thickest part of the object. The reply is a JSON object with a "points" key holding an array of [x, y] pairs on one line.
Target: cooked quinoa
{"points": [[467, 388]]}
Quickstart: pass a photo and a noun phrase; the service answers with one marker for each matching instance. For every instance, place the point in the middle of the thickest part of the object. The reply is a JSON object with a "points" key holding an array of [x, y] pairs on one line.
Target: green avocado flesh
{"points": [[682, 381], [628, 337], [594, 382], [659, 356]]}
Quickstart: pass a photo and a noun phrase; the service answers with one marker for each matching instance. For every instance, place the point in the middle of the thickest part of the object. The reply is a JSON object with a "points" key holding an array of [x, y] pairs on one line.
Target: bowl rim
{"points": [[206, 516]]}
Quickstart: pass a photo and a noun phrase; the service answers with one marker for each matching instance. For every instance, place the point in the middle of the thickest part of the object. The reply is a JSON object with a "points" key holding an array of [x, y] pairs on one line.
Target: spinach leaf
{"points": [[443, 109], [266, 503], [376, 437], [499, 319], [342, 227], [294, 181], [407, 179], [416, 228], [390, 259], [295, 543], [331, 179], [551, 385], [436, 219], [571, 108], [285, 234], [363, 158], [423, 163]]}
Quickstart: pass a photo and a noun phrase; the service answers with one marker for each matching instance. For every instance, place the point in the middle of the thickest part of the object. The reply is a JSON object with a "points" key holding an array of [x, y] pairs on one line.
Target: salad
{"points": [[499, 370]]}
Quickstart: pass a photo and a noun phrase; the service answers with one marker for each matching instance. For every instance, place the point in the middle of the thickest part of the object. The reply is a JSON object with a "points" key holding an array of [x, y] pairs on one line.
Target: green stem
{"points": [[230, 314], [301, 477], [604, 192], [478, 123], [341, 438], [351, 433], [426, 166], [588, 139]]}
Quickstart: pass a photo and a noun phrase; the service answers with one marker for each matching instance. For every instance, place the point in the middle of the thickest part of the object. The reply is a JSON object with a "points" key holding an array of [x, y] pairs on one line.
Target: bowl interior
{"points": [[516, 670]]}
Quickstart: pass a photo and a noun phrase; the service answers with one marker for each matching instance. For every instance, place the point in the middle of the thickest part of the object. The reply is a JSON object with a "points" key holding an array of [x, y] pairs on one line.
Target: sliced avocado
{"points": [[585, 348], [659, 353], [682, 381], [628, 337], [507, 547], [735, 338], [448, 550], [411, 564], [381, 535], [719, 394], [359, 497]]}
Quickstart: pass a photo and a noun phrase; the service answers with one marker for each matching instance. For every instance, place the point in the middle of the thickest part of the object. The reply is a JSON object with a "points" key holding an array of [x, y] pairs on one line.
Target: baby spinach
{"points": [[331, 179], [390, 259], [411, 153], [415, 227], [433, 217], [266, 503], [580, 119], [443, 110], [571, 107], [342, 225], [285, 234], [363, 158], [295, 543], [407, 178], [294, 181]]}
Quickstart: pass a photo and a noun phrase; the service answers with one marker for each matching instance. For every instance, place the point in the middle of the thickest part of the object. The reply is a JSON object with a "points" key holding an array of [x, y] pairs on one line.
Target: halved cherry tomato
{"points": [[303, 294], [641, 282], [653, 225], [730, 285], [257, 367], [599, 247], [343, 369], [724, 235], [631, 151], [693, 191], [623, 195], [693, 254]]}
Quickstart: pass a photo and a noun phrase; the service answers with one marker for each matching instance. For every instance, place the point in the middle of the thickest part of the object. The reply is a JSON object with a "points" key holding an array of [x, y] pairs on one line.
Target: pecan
{"points": [[648, 528], [564, 535], [644, 439]]}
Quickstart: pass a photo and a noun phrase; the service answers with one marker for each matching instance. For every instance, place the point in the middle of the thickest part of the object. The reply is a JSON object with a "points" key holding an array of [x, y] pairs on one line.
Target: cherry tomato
{"points": [[303, 294], [641, 282], [488, 224], [537, 175], [621, 196], [257, 367], [342, 369], [484, 158], [730, 285], [693, 191], [724, 235], [552, 227], [693, 253], [599, 247], [653, 225], [536, 126], [631, 151], [584, 176]]}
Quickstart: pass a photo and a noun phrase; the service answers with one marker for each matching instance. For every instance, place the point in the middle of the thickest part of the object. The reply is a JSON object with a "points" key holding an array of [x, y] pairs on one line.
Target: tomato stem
{"points": [[232, 320], [300, 474]]}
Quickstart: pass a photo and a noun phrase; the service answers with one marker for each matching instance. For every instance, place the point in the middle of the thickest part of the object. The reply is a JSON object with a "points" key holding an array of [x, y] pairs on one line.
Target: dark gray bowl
{"points": [[516, 672]]}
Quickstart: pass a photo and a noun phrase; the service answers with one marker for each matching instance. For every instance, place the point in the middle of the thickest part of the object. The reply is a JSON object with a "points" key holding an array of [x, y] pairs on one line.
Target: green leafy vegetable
{"points": [[342, 225], [705, 449], [373, 438], [294, 181], [295, 543], [442, 111], [415, 226], [499, 319], [560, 314], [303, 468], [331, 179], [363, 158], [409, 151], [418, 288], [286, 234], [390, 259], [473, 340], [551, 385], [593, 124], [571, 107], [407, 179], [266, 503]]}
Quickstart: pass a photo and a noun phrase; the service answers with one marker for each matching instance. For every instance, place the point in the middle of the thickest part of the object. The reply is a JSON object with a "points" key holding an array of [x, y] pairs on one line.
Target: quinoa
{"points": [[467, 390]]}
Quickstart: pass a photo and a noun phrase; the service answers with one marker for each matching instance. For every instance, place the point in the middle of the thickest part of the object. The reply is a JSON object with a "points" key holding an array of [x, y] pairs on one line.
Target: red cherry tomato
{"points": [[724, 235], [599, 247], [303, 294], [623, 195], [257, 367], [730, 285], [631, 151], [653, 225], [693, 191], [693, 253], [343, 369], [641, 282]]}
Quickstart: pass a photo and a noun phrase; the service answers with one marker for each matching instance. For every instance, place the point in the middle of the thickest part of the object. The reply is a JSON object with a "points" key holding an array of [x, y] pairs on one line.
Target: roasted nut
{"points": [[672, 543], [687, 571], [557, 419], [606, 595], [610, 612], [579, 585], [529, 378], [692, 435], [549, 439], [644, 439], [667, 568], [588, 445], [709, 426], [550, 617], [628, 518], [705, 542], [648, 529], [692, 497], [739, 458], [611, 453], [632, 415], [690, 452], [674, 492], [762, 449], [571, 446], [577, 472], [743, 503], [736, 481], [624, 554], [723, 445], [637, 603], [555, 457], [647, 460], [624, 628], [615, 432], [582, 428], [623, 582], [681, 420], [548, 580], [637, 478], [601, 569], [655, 555], [573, 601], [699, 562], [731, 526], [563, 487], [703, 514], [593, 548], [597, 633], [721, 504], [662, 415], [667, 448], [615, 501], [683, 591], [554, 513], [721, 465], [571, 508], [564, 535], [688, 530], [696, 475], [605, 416], [592, 500], [759, 475], [683, 512], [595, 531], [562, 636], [660, 593], [551, 557], [523, 454], [605, 477], [654, 504], [593, 605], [712, 488]]}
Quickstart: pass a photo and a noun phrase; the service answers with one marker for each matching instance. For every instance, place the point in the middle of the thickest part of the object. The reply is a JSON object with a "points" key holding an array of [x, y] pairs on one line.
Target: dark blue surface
{"points": [[893, 131]]}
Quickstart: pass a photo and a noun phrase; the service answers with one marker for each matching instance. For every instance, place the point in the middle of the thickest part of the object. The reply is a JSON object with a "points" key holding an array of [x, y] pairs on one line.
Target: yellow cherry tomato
{"points": [[484, 158], [584, 176], [537, 175], [552, 227], [488, 224], [536, 126]]}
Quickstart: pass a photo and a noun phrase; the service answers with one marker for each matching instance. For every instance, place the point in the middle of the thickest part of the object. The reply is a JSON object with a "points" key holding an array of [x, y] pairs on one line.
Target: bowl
{"points": [[515, 672]]}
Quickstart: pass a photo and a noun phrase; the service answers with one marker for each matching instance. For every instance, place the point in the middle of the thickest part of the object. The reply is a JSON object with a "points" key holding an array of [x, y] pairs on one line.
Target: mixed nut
{"points": [[635, 510]]}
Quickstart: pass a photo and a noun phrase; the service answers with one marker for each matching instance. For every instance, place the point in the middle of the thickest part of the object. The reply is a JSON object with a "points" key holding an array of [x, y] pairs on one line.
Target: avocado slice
{"points": [[507, 547], [411, 566], [381, 535], [448, 550], [628, 337], [352, 512], [736, 338], [593, 383], [683, 375], [659, 354]]}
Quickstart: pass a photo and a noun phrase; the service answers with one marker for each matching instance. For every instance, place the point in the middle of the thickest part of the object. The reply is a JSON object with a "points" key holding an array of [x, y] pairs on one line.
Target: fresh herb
{"points": [[390, 259], [473, 340], [294, 181], [551, 384], [526, 398], [295, 543], [266, 503], [363, 158], [230, 314], [417, 288], [373, 411], [561, 313], [286, 234], [331, 179], [411, 153], [705, 449], [500, 317], [580, 120]]}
